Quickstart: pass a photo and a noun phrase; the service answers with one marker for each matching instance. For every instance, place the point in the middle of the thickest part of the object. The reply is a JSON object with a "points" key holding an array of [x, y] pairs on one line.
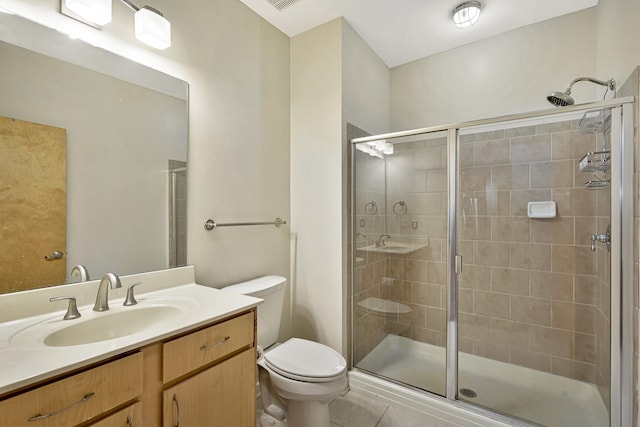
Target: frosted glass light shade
{"points": [[152, 28], [96, 11], [466, 14]]}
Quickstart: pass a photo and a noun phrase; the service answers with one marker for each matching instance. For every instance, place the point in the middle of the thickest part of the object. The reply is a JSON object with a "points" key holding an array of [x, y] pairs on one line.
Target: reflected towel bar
{"points": [[211, 224]]}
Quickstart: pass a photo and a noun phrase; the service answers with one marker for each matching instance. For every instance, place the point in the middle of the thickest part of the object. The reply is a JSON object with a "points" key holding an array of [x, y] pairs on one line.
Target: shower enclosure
{"points": [[492, 263]]}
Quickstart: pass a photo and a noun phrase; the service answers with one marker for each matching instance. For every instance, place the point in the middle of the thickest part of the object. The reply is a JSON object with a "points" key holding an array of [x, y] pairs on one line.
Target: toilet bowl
{"points": [[302, 377]]}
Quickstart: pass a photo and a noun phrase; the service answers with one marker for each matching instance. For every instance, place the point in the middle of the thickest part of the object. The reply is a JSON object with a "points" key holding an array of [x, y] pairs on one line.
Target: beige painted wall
{"points": [[618, 37], [316, 183], [506, 74], [237, 66], [335, 78]]}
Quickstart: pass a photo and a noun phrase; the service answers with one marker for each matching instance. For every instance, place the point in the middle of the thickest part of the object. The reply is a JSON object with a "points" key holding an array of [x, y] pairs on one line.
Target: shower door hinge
{"points": [[458, 264]]}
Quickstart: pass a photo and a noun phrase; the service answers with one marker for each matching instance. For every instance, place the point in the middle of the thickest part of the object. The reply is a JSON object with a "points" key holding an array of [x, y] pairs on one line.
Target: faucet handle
{"points": [[72, 309], [131, 299]]}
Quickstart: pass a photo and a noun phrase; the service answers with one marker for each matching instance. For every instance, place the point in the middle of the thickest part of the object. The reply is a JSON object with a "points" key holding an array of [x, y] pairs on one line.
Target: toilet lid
{"points": [[306, 361]]}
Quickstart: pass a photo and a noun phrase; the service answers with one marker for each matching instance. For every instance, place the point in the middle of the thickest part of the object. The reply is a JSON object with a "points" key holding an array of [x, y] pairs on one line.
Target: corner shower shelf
{"points": [[595, 161], [598, 121]]}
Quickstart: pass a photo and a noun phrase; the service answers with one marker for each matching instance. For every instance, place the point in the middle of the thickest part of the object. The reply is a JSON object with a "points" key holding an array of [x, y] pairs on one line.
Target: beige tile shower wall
{"points": [[530, 291], [417, 175]]}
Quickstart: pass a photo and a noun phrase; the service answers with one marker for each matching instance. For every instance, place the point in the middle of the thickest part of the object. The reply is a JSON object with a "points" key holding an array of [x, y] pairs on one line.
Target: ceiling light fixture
{"points": [[151, 27], [466, 14], [95, 11]]}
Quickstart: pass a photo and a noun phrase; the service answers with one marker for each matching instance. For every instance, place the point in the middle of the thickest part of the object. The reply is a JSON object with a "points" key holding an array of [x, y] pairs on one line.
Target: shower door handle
{"points": [[458, 263]]}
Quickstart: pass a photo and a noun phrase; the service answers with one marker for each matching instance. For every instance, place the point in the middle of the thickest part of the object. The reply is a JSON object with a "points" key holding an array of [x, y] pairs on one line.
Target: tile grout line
{"points": [[382, 416]]}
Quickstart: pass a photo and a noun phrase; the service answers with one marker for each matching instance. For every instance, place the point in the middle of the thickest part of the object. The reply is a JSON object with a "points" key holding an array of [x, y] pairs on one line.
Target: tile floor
{"points": [[362, 409]]}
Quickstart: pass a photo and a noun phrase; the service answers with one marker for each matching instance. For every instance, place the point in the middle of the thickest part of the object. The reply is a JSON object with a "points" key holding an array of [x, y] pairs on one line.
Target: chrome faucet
{"points": [[81, 272], [604, 238], [380, 241], [102, 299]]}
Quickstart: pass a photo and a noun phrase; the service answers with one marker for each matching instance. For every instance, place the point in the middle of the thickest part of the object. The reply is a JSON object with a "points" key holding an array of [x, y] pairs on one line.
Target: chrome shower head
{"points": [[560, 99], [563, 99]]}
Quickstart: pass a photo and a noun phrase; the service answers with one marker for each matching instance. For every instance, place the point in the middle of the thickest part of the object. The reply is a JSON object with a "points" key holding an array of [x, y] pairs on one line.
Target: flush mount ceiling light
{"points": [[95, 11], [151, 27], [466, 14]]}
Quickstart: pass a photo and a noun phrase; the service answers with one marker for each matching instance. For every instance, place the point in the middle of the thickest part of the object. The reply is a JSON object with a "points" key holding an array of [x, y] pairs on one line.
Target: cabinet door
{"points": [[223, 395]]}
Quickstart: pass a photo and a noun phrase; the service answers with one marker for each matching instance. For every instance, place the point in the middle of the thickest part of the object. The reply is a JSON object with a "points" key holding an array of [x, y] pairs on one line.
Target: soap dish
{"points": [[541, 209]]}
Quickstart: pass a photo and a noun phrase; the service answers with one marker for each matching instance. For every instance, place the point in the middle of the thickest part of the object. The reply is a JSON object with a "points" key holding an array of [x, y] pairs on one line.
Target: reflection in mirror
{"points": [[124, 130]]}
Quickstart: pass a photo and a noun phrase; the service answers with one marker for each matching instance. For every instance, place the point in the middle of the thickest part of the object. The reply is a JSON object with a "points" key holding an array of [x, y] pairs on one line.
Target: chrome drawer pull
{"points": [[41, 417], [176, 412], [129, 422], [207, 347]]}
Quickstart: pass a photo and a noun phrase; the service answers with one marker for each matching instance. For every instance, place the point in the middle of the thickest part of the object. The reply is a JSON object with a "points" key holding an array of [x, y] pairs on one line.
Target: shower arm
{"points": [[610, 84]]}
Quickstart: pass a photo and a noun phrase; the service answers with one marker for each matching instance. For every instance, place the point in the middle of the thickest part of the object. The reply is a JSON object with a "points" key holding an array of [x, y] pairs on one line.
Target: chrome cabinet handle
{"points": [[55, 255], [51, 414], [131, 299], [72, 309], [129, 422], [176, 411], [207, 347]]}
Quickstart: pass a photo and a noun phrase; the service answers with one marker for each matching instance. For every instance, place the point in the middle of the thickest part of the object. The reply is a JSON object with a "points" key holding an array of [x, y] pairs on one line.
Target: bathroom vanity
{"points": [[197, 370]]}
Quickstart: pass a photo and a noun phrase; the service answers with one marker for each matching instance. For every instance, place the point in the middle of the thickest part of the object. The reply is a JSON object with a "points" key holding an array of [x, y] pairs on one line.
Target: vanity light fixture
{"points": [[95, 11], [151, 27], [466, 14]]}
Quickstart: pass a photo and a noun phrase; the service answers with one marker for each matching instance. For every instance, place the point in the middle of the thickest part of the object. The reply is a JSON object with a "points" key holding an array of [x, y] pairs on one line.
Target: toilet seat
{"points": [[307, 361]]}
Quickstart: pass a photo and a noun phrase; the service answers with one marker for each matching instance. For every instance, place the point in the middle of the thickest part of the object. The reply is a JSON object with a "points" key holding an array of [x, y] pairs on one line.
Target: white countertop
{"points": [[25, 361]]}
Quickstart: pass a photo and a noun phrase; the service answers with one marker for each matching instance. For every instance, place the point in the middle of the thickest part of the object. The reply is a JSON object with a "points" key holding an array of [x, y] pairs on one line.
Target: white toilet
{"points": [[302, 376]]}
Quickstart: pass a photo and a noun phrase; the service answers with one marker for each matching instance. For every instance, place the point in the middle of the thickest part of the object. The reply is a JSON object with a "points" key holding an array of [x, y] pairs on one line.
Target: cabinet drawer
{"points": [[192, 351], [131, 416], [77, 398]]}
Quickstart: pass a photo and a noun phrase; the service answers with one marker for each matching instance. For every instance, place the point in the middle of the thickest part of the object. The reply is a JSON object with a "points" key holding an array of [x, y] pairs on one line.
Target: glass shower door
{"points": [[400, 264], [534, 215]]}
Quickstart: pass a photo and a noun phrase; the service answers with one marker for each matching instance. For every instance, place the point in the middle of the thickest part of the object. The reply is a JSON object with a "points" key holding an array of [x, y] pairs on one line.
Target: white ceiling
{"points": [[401, 31]]}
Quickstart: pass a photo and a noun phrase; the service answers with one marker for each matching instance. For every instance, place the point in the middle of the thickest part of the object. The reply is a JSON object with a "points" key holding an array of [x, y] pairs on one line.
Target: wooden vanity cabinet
{"points": [[209, 376], [203, 378]]}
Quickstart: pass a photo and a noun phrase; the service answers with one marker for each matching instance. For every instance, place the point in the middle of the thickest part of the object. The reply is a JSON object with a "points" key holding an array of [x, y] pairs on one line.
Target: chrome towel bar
{"points": [[211, 224]]}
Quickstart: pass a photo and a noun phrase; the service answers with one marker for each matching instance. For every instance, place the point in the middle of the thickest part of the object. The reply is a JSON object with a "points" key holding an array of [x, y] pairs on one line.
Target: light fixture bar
{"points": [[131, 5]]}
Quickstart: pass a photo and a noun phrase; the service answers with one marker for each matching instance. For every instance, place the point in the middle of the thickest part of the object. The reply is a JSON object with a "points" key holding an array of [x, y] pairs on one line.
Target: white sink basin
{"points": [[110, 326], [148, 315]]}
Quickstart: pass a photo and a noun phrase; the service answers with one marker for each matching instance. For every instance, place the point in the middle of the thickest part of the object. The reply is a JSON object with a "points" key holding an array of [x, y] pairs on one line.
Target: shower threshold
{"points": [[543, 398]]}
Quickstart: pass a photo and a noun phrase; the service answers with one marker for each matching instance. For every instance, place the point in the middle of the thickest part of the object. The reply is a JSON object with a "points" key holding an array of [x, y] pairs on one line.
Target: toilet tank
{"points": [[271, 290]]}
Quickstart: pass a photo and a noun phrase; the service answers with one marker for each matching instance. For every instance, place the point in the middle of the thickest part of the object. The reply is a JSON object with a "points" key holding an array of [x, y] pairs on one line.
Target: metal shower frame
{"points": [[622, 247]]}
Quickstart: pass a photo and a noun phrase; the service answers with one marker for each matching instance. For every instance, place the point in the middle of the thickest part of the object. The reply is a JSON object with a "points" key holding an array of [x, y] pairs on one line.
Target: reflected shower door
{"points": [[400, 264], [534, 290]]}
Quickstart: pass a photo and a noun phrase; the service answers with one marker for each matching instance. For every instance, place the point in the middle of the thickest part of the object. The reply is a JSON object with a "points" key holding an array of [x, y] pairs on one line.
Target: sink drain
{"points": [[467, 392]]}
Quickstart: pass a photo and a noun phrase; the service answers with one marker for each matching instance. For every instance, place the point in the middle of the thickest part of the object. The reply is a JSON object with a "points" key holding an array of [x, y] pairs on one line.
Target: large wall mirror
{"points": [[93, 151]]}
